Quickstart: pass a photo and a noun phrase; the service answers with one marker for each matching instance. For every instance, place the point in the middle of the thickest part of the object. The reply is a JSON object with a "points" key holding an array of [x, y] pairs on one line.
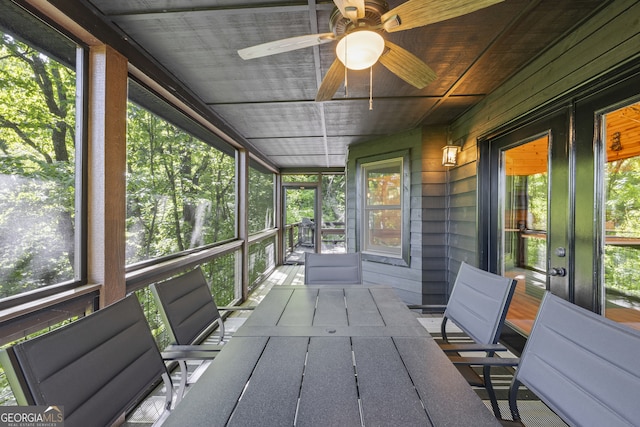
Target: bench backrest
{"points": [[323, 269], [187, 307], [585, 367], [479, 302], [97, 367]]}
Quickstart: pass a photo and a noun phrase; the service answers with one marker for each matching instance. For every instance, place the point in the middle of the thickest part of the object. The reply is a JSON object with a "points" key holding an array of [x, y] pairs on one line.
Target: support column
{"points": [[243, 220], [281, 240], [106, 164]]}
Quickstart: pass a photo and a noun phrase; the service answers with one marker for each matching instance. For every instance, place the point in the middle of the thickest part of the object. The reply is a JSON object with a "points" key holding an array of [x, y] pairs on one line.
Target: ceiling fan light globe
{"points": [[360, 49]]}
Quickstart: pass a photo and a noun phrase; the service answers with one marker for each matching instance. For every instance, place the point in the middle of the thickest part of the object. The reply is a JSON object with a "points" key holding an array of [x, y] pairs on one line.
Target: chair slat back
{"points": [[186, 306], [325, 269], [583, 366], [96, 367], [479, 302]]}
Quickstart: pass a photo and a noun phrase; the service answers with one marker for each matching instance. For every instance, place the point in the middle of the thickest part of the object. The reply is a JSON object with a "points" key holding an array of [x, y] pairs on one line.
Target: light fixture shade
{"points": [[360, 49], [450, 155]]}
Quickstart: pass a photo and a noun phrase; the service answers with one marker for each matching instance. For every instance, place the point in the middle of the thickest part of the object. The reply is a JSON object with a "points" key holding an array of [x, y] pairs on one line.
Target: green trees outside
{"points": [[622, 219], [622, 204], [333, 199], [537, 189], [180, 190], [37, 169], [261, 201], [301, 204]]}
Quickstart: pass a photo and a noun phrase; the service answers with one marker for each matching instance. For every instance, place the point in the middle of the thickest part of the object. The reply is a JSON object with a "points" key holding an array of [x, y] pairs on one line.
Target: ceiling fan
{"points": [[358, 25]]}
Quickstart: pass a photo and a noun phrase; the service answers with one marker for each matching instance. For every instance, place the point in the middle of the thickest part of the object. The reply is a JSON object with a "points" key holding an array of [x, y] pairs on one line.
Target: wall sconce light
{"points": [[450, 155]]}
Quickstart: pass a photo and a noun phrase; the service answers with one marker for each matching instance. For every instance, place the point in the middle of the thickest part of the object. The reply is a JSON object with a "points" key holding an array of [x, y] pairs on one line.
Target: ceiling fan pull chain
{"points": [[346, 61], [371, 88], [346, 84]]}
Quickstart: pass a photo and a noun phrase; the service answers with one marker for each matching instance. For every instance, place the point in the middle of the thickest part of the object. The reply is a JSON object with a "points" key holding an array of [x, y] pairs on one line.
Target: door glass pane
{"points": [[524, 207], [622, 215]]}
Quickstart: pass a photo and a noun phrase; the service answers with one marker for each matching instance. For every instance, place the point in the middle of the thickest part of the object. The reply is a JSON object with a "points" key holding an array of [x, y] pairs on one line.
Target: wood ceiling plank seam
{"points": [[524, 12], [576, 71], [218, 11], [313, 20]]}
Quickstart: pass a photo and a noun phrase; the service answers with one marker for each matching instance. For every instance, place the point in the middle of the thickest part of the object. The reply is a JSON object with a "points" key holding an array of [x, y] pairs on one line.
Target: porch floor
{"points": [[533, 412]]}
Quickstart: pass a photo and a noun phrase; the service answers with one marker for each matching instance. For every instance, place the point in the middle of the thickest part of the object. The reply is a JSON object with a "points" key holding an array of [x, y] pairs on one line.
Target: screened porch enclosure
{"points": [[136, 144]]}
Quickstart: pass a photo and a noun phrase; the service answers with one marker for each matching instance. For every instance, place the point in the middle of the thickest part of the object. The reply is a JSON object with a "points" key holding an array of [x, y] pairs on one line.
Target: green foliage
{"points": [[536, 253], [537, 189], [622, 192], [621, 269], [261, 201], [261, 259], [37, 169], [180, 191], [300, 203], [300, 178], [333, 198], [622, 203], [222, 276]]}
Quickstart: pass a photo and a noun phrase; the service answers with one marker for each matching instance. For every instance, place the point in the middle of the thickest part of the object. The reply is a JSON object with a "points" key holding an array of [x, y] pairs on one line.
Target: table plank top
{"points": [[294, 371], [331, 310]]}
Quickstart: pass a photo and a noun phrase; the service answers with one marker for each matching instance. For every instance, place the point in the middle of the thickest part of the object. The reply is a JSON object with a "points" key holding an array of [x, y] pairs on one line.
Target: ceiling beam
{"points": [[313, 21], [228, 10], [354, 99]]}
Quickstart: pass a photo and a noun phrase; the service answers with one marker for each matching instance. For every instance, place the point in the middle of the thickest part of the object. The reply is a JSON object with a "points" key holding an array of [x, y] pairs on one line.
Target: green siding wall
{"points": [[444, 212], [406, 280], [424, 281], [609, 40]]}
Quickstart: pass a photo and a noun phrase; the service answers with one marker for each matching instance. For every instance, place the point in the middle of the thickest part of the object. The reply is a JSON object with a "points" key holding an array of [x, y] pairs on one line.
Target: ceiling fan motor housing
{"points": [[373, 10]]}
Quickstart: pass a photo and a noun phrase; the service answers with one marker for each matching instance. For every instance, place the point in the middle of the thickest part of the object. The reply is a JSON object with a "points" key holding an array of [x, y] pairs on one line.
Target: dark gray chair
{"points": [[478, 305], [583, 366], [97, 367], [191, 315], [332, 269]]}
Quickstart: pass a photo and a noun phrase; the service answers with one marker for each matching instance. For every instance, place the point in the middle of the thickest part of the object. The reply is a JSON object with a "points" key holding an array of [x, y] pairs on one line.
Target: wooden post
{"points": [[106, 163]]}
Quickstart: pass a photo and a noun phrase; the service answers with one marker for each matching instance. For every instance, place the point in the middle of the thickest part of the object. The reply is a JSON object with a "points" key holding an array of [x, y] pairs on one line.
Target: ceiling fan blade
{"points": [[285, 45], [418, 13], [407, 66], [352, 9], [331, 82]]}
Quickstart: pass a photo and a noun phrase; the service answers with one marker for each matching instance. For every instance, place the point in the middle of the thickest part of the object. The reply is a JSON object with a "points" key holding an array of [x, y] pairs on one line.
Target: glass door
{"points": [[559, 206], [300, 222], [524, 209], [527, 216], [619, 165]]}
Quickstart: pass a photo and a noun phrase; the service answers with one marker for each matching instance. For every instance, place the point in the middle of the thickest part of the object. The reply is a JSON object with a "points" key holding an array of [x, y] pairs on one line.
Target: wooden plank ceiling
{"points": [[270, 101]]}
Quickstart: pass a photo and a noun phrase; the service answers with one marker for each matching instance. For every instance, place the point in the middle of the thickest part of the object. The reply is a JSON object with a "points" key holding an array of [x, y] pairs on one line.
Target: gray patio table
{"points": [[331, 356]]}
